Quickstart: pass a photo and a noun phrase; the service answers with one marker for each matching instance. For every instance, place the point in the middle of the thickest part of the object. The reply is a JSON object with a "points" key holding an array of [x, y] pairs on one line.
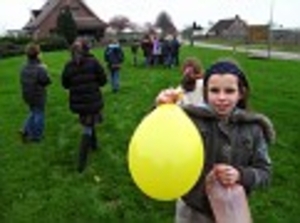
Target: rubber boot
{"points": [[94, 143], [83, 152]]}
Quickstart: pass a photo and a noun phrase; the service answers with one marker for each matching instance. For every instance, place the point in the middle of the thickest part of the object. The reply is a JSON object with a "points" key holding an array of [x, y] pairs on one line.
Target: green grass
{"points": [[39, 182]]}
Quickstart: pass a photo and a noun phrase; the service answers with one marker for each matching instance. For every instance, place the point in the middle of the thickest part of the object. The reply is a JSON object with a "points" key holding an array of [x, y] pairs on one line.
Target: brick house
{"points": [[258, 33], [43, 22]]}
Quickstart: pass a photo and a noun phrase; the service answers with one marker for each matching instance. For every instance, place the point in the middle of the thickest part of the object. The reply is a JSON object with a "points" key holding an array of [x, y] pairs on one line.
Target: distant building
{"points": [[15, 33], [43, 22], [286, 36], [258, 33], [235, 28], [196, 31]]}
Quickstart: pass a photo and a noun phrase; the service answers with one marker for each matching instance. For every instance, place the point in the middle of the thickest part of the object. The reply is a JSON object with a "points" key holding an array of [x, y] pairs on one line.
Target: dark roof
{"points": [[50, 5], [222, 25], [45, 10]]}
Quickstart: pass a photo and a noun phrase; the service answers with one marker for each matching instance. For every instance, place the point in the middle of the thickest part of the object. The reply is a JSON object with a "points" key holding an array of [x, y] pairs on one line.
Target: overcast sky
{"points": [[15, 13]]}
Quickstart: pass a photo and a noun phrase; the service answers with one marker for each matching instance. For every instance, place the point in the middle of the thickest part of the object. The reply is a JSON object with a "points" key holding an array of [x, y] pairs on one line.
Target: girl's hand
{"points": [[168, 96], [226, 174]]}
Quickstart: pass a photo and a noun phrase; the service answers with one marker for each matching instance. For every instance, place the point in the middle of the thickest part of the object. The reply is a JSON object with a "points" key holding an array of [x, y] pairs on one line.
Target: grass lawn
{"points": [[39, 182]]}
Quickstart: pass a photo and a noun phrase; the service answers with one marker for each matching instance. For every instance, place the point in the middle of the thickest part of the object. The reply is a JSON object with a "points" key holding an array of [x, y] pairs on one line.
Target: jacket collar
{"points": [[237, 116]]}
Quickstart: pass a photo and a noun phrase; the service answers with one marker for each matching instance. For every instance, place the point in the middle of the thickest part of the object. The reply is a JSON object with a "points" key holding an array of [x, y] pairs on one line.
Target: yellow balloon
{"points": [[166, 153]]}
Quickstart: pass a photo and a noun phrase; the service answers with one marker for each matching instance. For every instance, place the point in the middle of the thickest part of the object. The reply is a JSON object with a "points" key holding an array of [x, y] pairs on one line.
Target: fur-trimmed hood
{"points": [[237, 116]]}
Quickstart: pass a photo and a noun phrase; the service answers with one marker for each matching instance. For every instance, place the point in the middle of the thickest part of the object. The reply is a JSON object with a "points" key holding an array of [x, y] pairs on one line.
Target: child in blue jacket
{"points": [[114, 57]]}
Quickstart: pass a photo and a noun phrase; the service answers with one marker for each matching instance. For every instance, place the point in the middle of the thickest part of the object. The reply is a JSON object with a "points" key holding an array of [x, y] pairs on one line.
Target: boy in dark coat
{"points": [[34, 80]]}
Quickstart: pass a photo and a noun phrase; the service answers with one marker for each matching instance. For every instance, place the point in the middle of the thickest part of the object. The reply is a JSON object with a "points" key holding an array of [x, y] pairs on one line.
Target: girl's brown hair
{"points": [[193, 62], [188, 83]]}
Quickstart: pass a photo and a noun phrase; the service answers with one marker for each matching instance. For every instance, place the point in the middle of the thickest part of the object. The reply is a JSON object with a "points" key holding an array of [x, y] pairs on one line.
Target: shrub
{"points": [[9, 49], [53, 43]]}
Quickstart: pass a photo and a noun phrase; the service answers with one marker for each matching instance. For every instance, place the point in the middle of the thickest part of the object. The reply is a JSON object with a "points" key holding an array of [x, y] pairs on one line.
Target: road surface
{"points": [[253, 53]]}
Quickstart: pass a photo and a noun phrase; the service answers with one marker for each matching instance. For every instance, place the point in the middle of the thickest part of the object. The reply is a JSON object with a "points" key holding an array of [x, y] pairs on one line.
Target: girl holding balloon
{"points": [[235, 140]]}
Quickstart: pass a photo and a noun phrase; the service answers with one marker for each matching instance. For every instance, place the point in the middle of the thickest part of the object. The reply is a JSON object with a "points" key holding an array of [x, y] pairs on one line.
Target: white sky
{"points": [[15, 13]]}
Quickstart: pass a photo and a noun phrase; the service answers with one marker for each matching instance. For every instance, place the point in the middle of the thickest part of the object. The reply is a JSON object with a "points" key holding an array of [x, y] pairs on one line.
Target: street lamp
{"points": [[270, 28]]}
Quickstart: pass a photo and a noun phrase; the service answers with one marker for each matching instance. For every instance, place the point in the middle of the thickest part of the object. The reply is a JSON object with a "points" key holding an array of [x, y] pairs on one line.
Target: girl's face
{"points": [[223, 93], [189, 70]]}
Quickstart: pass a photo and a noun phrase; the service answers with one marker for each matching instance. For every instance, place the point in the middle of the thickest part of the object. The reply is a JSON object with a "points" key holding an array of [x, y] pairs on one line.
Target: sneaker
{"points": [[35, 140], [23, 135], [27, 139]]}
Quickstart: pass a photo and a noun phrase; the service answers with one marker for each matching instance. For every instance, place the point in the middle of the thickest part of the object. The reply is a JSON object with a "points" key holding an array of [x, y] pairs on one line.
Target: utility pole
{"points": [[270, 29]]}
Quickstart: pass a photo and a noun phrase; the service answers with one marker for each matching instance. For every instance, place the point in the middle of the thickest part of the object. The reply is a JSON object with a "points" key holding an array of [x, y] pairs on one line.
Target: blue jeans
{"points": [[35, 123], [115, 80], [147, 61], [135, 59], [175, 59], [168, 61]]}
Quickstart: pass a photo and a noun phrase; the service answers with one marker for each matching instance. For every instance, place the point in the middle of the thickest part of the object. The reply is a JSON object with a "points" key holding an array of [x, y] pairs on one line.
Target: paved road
{"points": [[255, 53]]}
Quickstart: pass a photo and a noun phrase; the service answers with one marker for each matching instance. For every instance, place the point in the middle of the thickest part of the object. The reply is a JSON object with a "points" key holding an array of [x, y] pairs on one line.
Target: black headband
{"points": [[226, 67]]}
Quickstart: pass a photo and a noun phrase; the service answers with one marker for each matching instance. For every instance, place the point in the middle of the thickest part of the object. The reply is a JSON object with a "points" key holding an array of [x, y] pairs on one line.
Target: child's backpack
{"points": [[114, 55]]}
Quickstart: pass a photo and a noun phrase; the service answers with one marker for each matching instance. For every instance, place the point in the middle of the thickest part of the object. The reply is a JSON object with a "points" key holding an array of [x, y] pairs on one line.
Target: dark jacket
{"points": [[83, 80], [135, 47], [175, 45], [241, 142], [34, 80], [146, 46]]}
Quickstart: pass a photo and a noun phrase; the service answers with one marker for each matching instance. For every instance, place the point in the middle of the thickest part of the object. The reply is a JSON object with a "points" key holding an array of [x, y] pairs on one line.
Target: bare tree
{"points": [[165, 22], [119, 22]]}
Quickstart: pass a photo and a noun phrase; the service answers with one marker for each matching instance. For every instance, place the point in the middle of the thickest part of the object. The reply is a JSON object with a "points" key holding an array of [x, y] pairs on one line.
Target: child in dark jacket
{"points": [[234, 138], [114, 57], [34, 80], [83, 76], [135, 45]]}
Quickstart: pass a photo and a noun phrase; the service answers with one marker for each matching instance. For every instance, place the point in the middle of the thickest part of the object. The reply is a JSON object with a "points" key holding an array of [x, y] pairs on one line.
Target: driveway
{"points": [[253, 53]]}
